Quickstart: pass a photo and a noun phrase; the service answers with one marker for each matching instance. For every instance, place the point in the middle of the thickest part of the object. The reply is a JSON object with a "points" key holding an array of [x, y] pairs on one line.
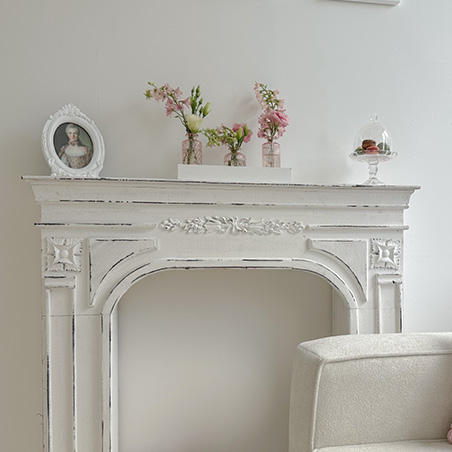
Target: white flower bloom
{"points": [[194, 123]]}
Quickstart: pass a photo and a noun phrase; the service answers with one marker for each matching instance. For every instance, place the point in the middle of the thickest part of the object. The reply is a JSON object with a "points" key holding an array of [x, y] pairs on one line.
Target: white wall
{"points": [[206, 355], [334, 62]]}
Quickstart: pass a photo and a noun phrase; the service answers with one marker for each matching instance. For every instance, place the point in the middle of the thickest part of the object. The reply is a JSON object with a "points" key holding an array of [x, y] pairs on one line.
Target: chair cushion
{"points": [[402, 446]]}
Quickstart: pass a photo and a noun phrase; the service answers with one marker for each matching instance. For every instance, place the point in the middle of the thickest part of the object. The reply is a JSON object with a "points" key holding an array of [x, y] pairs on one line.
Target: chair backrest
{"points": [[362, 389]]}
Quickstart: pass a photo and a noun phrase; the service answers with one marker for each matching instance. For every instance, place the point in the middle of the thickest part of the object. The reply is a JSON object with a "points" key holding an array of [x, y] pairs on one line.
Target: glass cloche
{"points": [[373, 145]]}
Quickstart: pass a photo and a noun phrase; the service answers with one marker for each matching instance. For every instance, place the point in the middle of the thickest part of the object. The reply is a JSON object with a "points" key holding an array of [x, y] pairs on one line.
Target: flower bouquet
{"points": [[176, 105], [272, 123], [233, 138]]}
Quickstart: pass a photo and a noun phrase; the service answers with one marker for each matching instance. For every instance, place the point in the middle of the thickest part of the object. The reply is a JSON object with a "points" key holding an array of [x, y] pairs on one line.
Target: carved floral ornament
{"points": [[386, 253], [232, 225], [64, 254]]}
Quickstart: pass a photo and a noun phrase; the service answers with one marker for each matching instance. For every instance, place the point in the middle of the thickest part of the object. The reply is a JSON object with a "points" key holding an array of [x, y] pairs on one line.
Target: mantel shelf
{"points": [[73, 194], [153, 181]]}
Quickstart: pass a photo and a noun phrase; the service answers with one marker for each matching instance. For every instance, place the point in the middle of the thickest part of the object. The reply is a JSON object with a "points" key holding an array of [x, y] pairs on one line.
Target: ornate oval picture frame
{"points": [[72, 144]]}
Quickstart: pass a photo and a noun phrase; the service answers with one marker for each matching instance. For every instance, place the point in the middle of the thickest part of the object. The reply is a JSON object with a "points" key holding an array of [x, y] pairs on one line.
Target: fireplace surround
{"points": [[100, 236]]}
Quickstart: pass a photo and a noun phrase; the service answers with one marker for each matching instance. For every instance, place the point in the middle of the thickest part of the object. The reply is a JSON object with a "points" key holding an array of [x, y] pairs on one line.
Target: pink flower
{"points": [[272, 124], [277, 118], [177, 93], [170, 105], [273, 120], [246, 133], [157, 94], [282, 118], [175, 104], [237, 126]]}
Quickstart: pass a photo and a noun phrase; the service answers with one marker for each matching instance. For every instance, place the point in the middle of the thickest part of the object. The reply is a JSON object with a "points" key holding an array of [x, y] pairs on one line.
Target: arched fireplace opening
{"points": [[205, 356]]}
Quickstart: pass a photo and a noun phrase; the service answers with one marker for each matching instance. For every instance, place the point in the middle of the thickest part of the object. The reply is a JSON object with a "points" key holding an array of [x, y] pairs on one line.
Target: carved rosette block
{"points": [[232, 225], [64, 254], [386, 253]]}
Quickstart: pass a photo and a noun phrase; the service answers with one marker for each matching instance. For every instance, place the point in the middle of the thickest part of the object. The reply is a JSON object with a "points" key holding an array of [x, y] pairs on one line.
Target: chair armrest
{"points": [[362, 389]]}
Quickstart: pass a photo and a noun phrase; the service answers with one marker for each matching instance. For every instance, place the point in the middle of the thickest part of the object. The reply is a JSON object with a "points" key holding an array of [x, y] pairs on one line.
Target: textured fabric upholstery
{"points": [[373, 393], [404, 446]]}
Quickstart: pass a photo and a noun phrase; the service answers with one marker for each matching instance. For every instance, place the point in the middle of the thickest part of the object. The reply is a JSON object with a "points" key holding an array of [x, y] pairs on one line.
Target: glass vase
{"points": [[192, 150], [271, 155], [234, 158]]}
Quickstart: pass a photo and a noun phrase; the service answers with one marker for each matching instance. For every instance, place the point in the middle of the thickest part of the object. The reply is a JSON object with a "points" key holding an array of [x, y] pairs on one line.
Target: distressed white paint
{"points": [[100, 236]]}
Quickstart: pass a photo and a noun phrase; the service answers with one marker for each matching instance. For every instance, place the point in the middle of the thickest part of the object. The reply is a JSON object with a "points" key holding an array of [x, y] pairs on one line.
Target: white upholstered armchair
{"points": [[372, 393]]}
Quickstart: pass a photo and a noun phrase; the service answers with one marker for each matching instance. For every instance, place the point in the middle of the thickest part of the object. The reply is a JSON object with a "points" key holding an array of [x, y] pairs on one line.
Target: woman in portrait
{"points": [[75, 154]]}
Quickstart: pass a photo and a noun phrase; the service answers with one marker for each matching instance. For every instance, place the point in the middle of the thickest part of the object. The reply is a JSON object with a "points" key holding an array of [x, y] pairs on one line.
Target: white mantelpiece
{"points": [[100, 236]]}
